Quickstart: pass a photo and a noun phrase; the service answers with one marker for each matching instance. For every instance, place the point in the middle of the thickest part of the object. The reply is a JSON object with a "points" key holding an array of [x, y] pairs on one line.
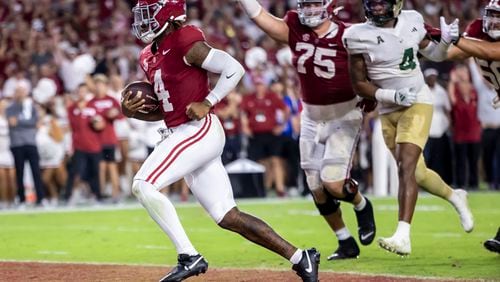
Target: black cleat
{"points": [[307, 268], [348, 249], [187, 266], [494, 243], [366, 224]]}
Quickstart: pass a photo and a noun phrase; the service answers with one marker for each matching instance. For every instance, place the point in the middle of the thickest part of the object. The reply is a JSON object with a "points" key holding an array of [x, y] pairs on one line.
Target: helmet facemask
{"points": [[145, 26], [491, 23], [312, 13], [380, 12]]}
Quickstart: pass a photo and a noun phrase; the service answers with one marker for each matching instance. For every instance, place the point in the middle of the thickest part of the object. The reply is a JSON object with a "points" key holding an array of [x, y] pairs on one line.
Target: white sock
{"points": [[296, 257], [361, 205], [403, 230], [163, 212], [343, 233], [454, 199]]}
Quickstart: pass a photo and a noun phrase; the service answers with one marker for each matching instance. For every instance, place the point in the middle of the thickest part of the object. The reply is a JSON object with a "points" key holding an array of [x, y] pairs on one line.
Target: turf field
{"points": [[128, 236]]}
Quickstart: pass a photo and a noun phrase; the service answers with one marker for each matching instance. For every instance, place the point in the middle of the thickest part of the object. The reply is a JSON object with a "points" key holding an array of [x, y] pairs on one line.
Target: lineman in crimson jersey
{"points": [[330, 121], [481, 40], [177, 62]]}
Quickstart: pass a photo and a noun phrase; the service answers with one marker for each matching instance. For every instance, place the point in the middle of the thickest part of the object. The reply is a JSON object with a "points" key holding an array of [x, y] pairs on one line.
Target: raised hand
{"points": [[449, 33]]}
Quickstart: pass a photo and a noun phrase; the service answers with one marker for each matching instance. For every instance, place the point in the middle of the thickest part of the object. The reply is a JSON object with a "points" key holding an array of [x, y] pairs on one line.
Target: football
{"points": [[146, 91]]}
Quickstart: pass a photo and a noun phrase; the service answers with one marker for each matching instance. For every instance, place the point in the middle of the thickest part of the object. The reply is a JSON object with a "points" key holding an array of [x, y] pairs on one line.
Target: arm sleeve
{"points": [[230, 71], [435, 52]]}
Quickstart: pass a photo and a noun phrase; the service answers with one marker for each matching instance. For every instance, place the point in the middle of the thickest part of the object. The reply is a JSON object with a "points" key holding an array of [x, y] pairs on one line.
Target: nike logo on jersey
{"points": [[414, 29], [165, 52], [380, 40], [229, 76], [364, 236], [309, 265], [332, 45]]}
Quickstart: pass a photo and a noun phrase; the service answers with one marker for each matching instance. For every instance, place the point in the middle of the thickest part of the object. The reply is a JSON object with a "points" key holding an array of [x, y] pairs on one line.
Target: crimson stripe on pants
{"points": [[175, 148], [183, 149]]}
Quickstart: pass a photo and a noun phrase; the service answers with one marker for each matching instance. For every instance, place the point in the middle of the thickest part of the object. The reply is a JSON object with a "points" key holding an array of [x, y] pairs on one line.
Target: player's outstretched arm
{"points": [[214, 61], [275, 27], [480, 49], [456, 54], [439, 51]]}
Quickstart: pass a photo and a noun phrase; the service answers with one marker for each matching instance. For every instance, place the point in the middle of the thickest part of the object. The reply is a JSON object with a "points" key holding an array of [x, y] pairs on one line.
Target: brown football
{"points": [[146, 91]]}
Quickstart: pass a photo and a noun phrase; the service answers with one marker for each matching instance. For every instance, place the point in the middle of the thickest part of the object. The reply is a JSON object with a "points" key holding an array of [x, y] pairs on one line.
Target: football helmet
{"points": [[380, 12], [314, 12], [491, 19], [152, 17]]}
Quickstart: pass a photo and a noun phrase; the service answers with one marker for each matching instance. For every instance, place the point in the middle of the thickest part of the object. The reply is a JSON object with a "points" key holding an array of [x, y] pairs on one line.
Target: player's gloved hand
{"points": [[403, 97], [130, 106], [367, 105], [449, 33], [198, 110], [496, 102]]}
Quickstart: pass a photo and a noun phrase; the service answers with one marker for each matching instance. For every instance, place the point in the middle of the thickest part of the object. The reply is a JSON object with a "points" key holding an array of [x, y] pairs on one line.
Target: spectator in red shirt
{"points": [[86, 146], [108, 108], [228, 111], [260, 112], [466, 127]]}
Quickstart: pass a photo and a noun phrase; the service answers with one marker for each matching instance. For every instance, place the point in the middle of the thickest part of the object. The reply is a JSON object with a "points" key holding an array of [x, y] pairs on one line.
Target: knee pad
{"points": [[350, 189], [141, 188], [136, 187], [329, 207]]}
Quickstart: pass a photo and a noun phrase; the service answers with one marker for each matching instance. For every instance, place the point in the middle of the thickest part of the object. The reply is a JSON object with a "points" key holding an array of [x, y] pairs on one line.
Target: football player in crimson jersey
{"points": [[394, 78], [481, 40], [177, 61], [330, 120]]}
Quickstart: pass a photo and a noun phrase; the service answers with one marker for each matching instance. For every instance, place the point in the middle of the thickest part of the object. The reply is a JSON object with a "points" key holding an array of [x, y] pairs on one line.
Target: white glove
{"points": [[496, 102], [403, 97], [449, 33]]}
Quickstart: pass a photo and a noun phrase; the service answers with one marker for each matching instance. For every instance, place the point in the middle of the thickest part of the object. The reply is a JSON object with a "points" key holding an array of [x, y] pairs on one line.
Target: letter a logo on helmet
{"points": [[152, 17], [491, 19]]}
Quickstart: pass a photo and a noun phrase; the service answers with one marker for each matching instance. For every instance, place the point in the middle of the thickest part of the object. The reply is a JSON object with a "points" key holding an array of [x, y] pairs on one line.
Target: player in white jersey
{"points": [[384, 66]]}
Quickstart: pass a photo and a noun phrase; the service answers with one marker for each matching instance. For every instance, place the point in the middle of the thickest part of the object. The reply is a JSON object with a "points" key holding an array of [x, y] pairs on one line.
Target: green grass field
{"points": [[129, 236]]}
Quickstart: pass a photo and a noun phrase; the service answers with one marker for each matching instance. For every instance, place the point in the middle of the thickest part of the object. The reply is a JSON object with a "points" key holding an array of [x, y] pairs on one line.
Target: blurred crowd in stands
{"points": [[63, 64]]}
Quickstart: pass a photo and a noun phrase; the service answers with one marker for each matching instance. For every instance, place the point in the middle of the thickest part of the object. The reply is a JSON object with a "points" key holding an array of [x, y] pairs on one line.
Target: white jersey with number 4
{"points": [[391, 54]]}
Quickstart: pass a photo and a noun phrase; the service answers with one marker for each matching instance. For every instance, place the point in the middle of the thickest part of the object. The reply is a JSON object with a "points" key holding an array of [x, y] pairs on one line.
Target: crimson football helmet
{"points": [[491, 19], [380, 12], [314, 12], [152, 17]]}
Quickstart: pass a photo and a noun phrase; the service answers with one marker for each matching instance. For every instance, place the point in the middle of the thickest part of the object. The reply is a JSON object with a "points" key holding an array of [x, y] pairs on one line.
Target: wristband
{"points": [[385, 95]]}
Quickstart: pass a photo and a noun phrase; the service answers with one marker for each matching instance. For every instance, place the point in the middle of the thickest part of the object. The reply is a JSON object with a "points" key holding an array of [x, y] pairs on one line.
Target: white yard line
{"points": [[236, 268]]}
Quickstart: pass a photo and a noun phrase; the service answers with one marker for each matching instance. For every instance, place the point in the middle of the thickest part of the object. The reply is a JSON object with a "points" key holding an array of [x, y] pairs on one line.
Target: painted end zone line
{"points": [[237, 268]]}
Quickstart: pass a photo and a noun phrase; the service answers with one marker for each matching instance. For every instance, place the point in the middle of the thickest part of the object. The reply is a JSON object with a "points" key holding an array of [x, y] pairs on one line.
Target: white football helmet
{"points": [[314, 12], [491, 19]]}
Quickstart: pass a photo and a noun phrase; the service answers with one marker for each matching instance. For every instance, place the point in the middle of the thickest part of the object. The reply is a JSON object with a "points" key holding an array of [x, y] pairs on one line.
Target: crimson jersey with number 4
{"points": [[321, 63], [490, 69], [176, 83]]}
